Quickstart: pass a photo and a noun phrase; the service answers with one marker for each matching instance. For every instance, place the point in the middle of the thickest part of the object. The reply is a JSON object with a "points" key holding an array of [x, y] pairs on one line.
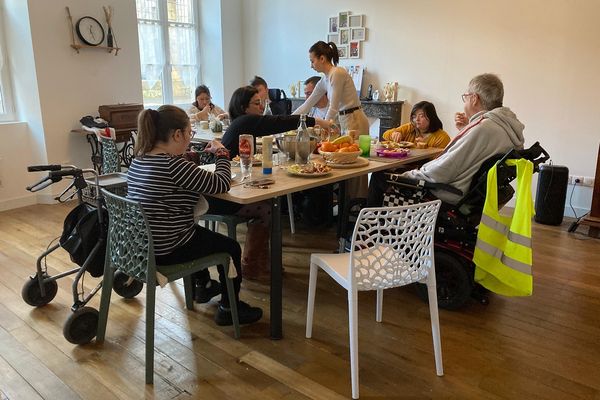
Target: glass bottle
{"points": [[302, 142], [267, 108]]}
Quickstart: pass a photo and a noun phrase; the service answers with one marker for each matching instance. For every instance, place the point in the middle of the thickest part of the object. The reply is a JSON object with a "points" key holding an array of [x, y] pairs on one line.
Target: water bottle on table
{"points": [[246, 150], [302, 142]]}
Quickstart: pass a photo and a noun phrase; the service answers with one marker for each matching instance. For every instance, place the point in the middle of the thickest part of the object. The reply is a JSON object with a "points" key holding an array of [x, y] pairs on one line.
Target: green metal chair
{"points": [[110, 156], [130, 249]]}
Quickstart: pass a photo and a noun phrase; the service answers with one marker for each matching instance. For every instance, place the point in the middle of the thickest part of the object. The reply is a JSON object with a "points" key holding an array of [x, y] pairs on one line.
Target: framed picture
{"points": [[355, 21], [344, 36], [343, 19], [358, 34], [343, 51], [333, 37], [333, 24], [354, 50]]}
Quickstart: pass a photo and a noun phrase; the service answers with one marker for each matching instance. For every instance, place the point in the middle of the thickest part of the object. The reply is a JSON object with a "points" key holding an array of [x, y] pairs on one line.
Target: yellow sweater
{"points": [[408, 133]]}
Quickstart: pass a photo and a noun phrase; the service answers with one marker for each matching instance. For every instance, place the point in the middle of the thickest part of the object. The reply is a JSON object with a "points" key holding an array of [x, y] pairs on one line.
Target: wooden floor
{"points": [[542, 347]]}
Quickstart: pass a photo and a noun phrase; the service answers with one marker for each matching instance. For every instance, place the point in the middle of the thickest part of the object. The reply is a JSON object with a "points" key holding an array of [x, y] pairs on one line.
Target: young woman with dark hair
{"points": [[169, 187], [202, 108], [339, 88], [424, 127]]}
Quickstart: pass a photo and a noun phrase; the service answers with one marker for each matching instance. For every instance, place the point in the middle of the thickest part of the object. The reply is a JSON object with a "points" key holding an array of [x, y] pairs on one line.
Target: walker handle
{"points": [[51, 167]]}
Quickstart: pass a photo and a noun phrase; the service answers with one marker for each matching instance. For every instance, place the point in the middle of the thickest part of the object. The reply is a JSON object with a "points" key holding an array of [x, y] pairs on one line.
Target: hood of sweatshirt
{"points": [[507, 120]]}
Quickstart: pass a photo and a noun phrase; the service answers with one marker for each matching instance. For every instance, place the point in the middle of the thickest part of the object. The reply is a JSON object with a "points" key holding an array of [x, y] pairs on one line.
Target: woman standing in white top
{"points": [[339, 87]]}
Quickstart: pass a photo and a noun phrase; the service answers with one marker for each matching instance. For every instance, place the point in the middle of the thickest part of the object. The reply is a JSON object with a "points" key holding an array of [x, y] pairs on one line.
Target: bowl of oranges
{"points": [[343, 150]]}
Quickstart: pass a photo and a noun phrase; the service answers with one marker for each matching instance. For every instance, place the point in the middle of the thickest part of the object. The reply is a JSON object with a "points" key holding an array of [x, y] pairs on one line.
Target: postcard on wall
{"points": [[354, 49], [343, 19], [358, 34], [355, 21], [344, 36], [333, 24]]}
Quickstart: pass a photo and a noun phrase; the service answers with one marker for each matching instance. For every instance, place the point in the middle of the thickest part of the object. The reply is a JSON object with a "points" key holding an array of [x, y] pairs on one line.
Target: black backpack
{"points": [[81, 232], [280, 104]]}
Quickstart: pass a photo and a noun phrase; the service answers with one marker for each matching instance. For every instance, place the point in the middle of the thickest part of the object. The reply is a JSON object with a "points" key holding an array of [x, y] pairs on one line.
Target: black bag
{"points": [[81, 232], [399, 195], [280, 104]]}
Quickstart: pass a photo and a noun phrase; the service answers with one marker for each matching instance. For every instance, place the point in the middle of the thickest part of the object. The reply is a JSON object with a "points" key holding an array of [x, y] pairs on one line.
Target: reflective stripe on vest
{"points": [[503, 254]]}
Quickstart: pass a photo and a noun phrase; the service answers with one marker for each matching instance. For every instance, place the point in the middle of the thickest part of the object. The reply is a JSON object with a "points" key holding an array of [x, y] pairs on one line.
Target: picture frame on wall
{"points": [[333, 37], [333, 24], [358, 34], [343, 19], [354, 50], [355, 21], [344, 36], [343, 51]]}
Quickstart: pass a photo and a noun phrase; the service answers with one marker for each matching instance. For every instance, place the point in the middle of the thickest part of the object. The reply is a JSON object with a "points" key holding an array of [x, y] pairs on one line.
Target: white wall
{"points": [[544, 50], [55, 86]]}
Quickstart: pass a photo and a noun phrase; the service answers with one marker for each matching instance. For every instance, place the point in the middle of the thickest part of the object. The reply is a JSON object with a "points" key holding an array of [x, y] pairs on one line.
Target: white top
{"points": [[340, 90], [316, 112]]}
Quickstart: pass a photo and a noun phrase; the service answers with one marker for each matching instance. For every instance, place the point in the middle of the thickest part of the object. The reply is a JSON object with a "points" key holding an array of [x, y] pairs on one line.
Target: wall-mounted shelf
{"points": [[84, 46]]}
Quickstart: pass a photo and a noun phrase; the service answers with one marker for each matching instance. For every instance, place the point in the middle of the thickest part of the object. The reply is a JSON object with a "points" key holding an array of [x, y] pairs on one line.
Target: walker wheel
{"points": [[81, 326], [32, 292], [124, 288]]}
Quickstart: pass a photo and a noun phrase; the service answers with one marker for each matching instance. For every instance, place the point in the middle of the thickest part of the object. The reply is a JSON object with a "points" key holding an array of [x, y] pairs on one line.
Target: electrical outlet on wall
{"points": [[588, 181]]}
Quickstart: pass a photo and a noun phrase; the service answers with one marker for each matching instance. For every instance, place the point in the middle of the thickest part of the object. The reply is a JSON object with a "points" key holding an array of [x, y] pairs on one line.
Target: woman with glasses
{"points": [[169, 187], [246, 114], [424, 128], [202, 108]]}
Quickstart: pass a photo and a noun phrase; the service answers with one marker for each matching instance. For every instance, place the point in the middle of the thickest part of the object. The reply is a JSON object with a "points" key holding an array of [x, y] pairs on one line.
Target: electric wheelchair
{"points": [[456, 227]]}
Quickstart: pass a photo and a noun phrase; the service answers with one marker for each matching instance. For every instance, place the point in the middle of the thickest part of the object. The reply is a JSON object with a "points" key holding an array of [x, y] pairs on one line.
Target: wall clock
{"points": [[89, 31]]}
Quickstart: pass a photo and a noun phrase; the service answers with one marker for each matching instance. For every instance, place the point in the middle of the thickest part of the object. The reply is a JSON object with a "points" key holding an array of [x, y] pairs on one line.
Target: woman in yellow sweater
{"points": [[424, 127]]}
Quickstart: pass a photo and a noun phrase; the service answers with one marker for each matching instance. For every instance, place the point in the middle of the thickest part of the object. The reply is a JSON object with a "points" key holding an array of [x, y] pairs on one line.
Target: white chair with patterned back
{"points": [[391, 246]]}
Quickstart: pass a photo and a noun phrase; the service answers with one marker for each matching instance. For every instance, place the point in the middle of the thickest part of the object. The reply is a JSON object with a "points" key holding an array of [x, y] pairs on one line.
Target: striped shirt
{"points": [[168, 188]]}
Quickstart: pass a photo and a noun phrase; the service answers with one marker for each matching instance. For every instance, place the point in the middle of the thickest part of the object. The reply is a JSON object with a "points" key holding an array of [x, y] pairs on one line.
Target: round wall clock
{"points": [[90, 31]]}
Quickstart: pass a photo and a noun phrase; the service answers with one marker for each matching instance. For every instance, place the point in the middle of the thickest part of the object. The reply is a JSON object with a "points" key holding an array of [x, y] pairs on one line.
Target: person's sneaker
{"points": [[246, 313], [203, 294]]}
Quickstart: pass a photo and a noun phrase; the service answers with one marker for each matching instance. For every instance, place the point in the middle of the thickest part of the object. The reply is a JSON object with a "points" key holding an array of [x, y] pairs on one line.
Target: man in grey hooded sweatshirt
{"points": [[486, 128]]}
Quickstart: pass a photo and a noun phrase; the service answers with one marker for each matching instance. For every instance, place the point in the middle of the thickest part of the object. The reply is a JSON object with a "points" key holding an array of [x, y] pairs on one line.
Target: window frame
{"points": [[167, 68], [8, 114]]}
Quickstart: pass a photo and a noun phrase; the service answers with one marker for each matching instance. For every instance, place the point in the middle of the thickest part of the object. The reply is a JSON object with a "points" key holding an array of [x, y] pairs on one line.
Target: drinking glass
{"points": [[246, 150], [364, 142]]}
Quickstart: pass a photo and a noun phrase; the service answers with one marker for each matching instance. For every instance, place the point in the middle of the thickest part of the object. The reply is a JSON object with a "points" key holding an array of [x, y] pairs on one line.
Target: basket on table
{"points": [[340, 157]]}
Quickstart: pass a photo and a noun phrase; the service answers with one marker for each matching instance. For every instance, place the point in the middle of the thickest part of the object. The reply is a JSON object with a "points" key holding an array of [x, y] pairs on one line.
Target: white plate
{"points": [[211, 168], [360, 162], [313, 175]]}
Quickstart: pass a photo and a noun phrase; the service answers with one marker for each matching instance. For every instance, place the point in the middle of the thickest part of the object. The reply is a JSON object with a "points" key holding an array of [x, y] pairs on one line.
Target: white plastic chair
{"points": [[391, 246]]}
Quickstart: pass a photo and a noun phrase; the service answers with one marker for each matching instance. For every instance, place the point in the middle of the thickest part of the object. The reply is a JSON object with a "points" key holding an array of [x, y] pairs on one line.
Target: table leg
{"points": [[276, 270], [342, 216]]}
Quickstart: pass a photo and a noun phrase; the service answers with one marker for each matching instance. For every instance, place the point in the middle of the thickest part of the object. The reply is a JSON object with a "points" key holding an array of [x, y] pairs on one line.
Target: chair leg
{"points": [[312, 287], [150, 305], [379, 311], [188, 290], [107, 285], [232, 230], [353, 328], [291, 213], [435, 324], [232, 301]]}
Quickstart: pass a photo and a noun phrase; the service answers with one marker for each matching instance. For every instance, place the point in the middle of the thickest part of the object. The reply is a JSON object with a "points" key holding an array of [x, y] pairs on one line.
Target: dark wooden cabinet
{"points": [[388, 112]]}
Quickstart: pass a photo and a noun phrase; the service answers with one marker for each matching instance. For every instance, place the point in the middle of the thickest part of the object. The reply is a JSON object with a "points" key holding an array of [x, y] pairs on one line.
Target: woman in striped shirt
{"points": [[169, 187]]}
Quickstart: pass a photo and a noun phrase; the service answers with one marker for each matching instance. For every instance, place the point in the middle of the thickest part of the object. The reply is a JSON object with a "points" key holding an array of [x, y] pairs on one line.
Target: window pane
{"points": [[182, 45], [151, 49], [184, 83], [147, 9], [152, 86], [180, 11]]}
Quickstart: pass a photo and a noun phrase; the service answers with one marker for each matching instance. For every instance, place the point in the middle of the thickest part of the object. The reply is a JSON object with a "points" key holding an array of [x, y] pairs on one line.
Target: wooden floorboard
{"points": [[546, 346]]}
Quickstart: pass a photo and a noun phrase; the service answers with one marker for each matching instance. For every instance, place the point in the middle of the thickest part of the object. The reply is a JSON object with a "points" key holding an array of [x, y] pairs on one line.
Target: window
{"points": [[6, 108], [168, 36]]}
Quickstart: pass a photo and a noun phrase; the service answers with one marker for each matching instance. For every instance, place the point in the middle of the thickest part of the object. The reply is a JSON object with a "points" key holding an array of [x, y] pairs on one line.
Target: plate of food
{"points": [[256, 159], [310, 170], [390, 144], [395, 153], [359, 162]]}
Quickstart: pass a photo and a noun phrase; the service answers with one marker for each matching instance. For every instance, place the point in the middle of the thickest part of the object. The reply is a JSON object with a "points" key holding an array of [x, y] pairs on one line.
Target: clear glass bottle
{"points": [[267, 108], [302, 142]]}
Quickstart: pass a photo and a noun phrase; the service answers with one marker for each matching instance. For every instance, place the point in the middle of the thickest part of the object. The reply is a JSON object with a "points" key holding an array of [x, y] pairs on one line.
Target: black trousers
{"points": [[206, 242], [377, 187]]}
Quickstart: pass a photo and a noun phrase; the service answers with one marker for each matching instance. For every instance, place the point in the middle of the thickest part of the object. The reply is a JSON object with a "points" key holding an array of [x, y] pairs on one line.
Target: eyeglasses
{"points": [[464, 96]]}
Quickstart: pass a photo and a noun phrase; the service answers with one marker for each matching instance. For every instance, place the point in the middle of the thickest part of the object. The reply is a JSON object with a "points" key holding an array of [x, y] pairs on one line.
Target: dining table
{"points": [[283, 183]]}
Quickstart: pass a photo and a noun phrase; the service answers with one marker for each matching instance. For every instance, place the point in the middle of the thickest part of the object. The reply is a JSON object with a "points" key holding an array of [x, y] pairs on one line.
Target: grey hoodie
{"points": [[488, 133]]}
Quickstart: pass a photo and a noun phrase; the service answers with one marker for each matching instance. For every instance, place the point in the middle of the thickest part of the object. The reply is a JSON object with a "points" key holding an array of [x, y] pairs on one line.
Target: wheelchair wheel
{"points": [[81, 326], [125, 289], [32, 293], [453, 281]]}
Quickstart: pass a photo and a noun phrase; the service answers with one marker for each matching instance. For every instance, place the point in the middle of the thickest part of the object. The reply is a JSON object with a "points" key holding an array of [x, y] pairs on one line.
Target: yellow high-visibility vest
{"points": [[503, 251]]}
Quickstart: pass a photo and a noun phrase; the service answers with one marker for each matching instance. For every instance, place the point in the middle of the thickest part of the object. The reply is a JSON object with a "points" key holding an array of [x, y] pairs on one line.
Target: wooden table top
{"points": [[286, 183]]}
